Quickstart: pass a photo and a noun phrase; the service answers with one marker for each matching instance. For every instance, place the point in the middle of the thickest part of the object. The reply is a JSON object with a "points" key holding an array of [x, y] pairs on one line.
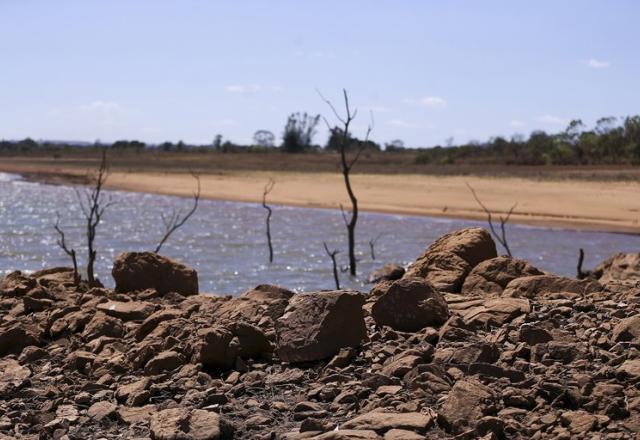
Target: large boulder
{"points": [[316, 326], [133, 271], [492, 276], [410, 304], [448, 260], [619, 267], [627, 329]]}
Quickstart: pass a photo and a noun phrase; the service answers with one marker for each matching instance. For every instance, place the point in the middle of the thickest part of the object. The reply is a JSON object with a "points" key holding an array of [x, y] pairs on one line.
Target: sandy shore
{"points": [[580, 204]]}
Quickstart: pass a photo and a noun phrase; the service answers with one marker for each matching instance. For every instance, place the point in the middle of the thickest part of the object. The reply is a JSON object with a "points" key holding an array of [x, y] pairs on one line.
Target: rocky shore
{"points": [[465, 345]]}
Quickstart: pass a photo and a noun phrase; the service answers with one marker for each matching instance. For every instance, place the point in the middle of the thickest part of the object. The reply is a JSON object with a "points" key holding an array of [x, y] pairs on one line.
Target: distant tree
{"points": [[394, 145], [299, 132], [217, 142], [264, 138]]}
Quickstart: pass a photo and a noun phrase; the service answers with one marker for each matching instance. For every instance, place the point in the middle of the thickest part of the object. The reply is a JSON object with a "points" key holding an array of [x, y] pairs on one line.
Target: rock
{"points": [[445, 270], [12, 376], [136, 271], [127, 311], [473, 245], [618, 267], [410, 304], [253, 342], [630, 367], [16, 284], [103, 325], [388, 272], [550, 286], [381, 421], [465, 404], [496, 312], [579, 422], [212, 348], [260, 306], [316, 326], [16, 337], [490, 277], [163, 361], [533, 335], [627, 330], [149, 324], [102, 410], [185, 424]]}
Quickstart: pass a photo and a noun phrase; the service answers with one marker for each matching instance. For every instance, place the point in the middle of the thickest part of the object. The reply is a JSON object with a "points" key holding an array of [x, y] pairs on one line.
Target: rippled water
{"points": [[225, 241]]}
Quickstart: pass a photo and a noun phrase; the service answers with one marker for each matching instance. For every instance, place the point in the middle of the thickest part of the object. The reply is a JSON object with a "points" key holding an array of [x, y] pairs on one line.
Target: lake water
{"points": [[225, 241]]}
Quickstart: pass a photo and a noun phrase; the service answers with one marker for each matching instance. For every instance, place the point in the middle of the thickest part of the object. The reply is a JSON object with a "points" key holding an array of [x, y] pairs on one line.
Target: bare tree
{"points": [[177, 219], [93, 205], [267, 189], [346, 164], [582, 274], [502, 236], [332, 255], [70, 252], [372, 246]]}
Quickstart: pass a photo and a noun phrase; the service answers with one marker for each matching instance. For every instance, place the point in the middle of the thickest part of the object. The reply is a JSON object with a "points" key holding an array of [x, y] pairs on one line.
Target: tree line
{"points": [[611, 141]]}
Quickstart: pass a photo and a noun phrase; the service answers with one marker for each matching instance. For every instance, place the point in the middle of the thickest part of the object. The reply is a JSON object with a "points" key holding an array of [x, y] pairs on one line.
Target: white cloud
{"points": [[400, 123], [597, 64], [243, 89], [517, 124], [553, 120], [427, 101]]}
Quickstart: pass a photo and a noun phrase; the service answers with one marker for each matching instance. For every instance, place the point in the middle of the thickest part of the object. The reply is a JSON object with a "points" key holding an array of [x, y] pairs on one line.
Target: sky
{"points": [[427, 71]]}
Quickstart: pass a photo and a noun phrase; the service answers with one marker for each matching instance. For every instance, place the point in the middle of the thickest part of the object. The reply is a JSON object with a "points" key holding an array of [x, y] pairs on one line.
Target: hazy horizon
{"points": [[162, 71]]}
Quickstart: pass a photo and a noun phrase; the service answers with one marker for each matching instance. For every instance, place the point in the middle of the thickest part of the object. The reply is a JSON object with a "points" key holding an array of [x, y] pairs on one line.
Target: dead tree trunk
{"points": [[372, 246], [267, 189], [502, 237], [177, 220], [332, 255], [346, 165], [582, 274], [93, 207]]}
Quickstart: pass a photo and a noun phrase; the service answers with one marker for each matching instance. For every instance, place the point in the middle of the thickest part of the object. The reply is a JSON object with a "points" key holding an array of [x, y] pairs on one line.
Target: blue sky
{"points": [[428, 70]]}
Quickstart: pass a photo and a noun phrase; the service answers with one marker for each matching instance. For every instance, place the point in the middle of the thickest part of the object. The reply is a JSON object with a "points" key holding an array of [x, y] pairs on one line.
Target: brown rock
{"points": [[549, 287], [473, 245], [316, 326], [381, 421], [465, 404], [261, 306], [134, 271], [103, 325], [619, 267], [102, 410], [445, 270], [410, 304], [627, 330], [630, 367], [185, 424], [12, 376], [388, 272], [16, 337], [212, 348], [163, 361], [492, 276], [127, 311], [149, 324], [496, 312]]}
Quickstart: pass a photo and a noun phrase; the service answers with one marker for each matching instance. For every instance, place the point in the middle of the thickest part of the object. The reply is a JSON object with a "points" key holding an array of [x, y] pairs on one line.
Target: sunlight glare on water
{"points": [[225, 241]]}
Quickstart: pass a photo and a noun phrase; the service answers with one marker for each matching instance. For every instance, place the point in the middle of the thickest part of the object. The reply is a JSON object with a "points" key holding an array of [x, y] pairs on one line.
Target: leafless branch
{"points": [[332, 255], [63, 245], [177, 219], [502, 236], [372, 246], [582, 274], [267, 189]]}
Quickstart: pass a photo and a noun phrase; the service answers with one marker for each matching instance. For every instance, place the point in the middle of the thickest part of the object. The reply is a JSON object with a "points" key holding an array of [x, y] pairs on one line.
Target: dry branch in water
{"points": [[346, 165], [502, 237], [372, 246], [267, 189], [332, 255], [582, 274], [63, 245], [93, 205], [177, 219]]}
